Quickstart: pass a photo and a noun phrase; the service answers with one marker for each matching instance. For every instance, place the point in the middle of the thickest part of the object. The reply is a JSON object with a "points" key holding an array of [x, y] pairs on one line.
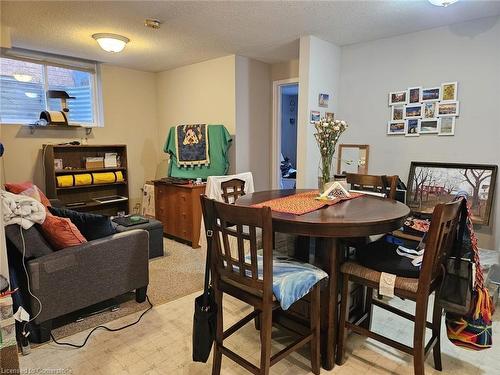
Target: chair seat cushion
{"points": [[292, 279], [382, 256], [405, 284]]}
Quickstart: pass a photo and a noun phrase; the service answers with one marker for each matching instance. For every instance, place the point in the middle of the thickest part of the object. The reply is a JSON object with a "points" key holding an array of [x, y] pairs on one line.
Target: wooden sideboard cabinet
{"points": [[178, 207]]}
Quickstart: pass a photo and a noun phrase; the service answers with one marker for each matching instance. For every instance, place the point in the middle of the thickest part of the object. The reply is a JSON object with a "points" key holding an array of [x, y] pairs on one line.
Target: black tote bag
{"points": [[205, 308]]}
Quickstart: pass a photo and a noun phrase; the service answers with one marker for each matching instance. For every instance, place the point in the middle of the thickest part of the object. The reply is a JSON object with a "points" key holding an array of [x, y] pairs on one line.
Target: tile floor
{"points": [[161, 344]]}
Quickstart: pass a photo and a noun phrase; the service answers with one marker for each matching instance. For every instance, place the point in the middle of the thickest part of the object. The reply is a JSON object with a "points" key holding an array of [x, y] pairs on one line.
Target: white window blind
{"points": [[26, 77]]}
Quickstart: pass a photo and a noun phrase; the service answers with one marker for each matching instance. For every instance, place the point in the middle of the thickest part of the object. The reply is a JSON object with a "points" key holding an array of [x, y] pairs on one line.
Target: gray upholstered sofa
{"points": [[76, 277]]}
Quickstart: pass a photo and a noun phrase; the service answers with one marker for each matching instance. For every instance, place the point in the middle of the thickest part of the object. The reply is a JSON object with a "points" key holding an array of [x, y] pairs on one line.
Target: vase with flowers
{"points": [[328, 132]]}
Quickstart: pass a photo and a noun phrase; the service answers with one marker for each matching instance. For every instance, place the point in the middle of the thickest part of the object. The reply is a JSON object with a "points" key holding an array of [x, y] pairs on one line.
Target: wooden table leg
{"points": [[327, 257]]}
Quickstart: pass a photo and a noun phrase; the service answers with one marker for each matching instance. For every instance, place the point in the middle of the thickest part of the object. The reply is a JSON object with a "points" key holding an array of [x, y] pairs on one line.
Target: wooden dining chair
{"points": [[232, 190], [249, 278], [440, 238], [373, 183]]}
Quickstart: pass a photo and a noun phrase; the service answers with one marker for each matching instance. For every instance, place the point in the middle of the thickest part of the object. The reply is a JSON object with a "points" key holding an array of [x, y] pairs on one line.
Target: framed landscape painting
{"points": [[432, 183]]}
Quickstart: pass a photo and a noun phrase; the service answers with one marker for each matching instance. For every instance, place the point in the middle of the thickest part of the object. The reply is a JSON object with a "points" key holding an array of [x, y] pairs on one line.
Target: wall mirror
{"points": [[353, 159]]}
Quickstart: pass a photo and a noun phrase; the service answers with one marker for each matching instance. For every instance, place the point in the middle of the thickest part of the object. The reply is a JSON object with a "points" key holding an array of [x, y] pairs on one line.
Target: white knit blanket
{"points": [[22, 210]]}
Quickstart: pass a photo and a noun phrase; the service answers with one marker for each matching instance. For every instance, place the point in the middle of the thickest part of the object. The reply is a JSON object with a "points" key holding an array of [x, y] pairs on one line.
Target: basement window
{"points": [[26, 77]]}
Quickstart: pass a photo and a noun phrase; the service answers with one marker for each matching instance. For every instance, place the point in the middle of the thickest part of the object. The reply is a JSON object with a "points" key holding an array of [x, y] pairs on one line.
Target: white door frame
{"points": [[276, 136]]}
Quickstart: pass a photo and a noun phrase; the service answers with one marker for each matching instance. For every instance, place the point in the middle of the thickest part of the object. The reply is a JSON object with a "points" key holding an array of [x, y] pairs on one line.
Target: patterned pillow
{"points": [[29, 189]]}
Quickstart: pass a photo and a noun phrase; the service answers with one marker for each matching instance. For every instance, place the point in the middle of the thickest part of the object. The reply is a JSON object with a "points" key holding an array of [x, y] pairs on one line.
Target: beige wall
{"points": [[285, 70], [253, 120], [198, 93], [130, 117], [473, 49]]}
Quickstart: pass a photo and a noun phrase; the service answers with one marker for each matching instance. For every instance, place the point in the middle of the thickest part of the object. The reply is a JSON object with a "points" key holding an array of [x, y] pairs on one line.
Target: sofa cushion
{"points": [[90, 225], [61, 232], [36, 245], [29, 189]]}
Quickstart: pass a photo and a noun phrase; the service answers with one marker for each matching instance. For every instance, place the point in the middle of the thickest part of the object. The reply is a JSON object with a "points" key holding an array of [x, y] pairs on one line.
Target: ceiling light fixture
{"points": [[111, 42], [442, 3], [22, 77]]}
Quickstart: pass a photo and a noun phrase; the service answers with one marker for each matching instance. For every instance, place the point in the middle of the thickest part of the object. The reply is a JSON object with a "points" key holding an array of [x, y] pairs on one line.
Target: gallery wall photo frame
{"points": [[396, 127], [397, 112], [398, 97], [449, 91], [432, 183], [414, 94], [412, 127], [413, 111], [429, 110], [446, 125], [448, 109], [429, 126], [431, 94], [323, 100]]}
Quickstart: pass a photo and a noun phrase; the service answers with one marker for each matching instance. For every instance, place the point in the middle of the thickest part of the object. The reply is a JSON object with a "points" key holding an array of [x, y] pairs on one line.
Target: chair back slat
{"points": [[440, 240], [375, 183], [232, 190], [234, 250]]}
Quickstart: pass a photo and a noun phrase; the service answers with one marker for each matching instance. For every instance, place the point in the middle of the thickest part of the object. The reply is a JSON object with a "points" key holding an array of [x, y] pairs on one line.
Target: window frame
{"points": [[46, 60]]}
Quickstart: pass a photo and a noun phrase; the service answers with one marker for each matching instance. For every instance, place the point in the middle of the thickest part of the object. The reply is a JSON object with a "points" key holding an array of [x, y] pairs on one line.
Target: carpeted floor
{"points": [[178, 273]]}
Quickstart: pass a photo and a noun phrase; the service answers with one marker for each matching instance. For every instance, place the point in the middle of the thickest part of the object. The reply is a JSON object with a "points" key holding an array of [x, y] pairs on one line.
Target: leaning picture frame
{"points": [[432, 183]]}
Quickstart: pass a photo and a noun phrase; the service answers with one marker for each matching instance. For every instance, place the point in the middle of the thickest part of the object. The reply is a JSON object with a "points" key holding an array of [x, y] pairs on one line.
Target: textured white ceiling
{"points": [[194, 31]]}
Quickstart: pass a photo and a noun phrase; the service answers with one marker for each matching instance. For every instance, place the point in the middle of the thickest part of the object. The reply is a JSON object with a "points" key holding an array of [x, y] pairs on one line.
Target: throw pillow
{"points": [[61, 233], [29, 189], [92, 226]]}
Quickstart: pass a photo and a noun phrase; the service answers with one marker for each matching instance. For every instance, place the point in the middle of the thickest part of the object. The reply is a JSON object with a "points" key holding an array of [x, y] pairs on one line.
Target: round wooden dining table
{"points": [[360, 217]]}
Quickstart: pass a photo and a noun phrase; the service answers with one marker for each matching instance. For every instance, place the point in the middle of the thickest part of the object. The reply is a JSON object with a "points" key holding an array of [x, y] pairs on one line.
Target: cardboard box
{"points": [[94, 162]]}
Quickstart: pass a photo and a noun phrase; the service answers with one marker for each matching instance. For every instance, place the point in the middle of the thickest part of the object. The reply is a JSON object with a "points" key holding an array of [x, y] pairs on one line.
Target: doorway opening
{"points": [[286, 100]]}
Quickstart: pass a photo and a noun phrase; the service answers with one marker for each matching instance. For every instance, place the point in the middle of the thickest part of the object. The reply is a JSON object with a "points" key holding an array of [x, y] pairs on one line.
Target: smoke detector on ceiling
{"points": [[152, 23]]}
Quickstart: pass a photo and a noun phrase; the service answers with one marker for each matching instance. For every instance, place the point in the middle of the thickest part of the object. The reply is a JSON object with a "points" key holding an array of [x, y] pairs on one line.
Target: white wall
{"points": [[253, 120], [130, 115], [468, 53], [319, 72]]}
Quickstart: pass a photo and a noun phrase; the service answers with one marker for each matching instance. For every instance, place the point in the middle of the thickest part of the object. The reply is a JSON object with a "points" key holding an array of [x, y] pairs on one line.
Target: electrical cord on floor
{"points": [[103, 327]]}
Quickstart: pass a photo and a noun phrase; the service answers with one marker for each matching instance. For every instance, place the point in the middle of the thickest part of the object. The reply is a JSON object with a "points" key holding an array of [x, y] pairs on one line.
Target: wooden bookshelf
{"points": [[73, 158]]}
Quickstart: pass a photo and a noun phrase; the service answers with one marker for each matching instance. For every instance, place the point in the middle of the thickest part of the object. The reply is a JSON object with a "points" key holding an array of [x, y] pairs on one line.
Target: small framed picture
{"points": [[315, 116], [413, 111], [397, 97], [429, 110], [414, 95], [396, 127], [323, 100], [397, 112], [412, 128], [446, 126], [58, 164], [449, 91], [330, 116], [429, 126], [431, 94], [448, 109]]}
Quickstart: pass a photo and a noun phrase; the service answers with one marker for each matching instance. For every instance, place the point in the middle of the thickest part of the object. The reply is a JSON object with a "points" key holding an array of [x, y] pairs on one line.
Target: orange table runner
{"points": [[301, 203]]}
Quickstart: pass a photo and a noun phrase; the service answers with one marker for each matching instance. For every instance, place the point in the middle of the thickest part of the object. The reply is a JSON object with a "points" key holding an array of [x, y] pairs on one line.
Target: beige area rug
{"points": [[178, 273]]}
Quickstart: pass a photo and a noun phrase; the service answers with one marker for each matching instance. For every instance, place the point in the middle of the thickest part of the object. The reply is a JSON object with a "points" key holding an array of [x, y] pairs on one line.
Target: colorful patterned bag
{"points": [[473, 330]]}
